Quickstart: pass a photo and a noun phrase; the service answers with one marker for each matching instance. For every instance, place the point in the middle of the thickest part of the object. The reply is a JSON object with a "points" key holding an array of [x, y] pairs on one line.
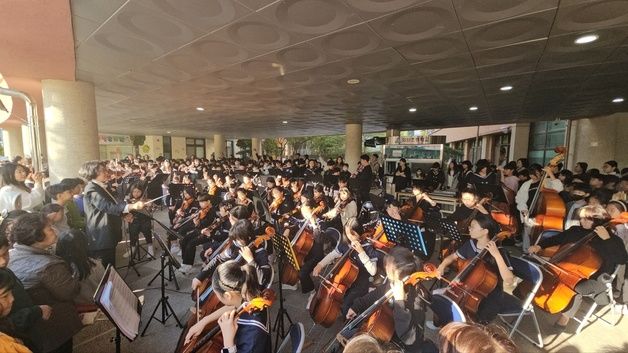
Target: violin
{"points": [[372, 321], [274, 206], [215, 224], [187, 203], [212, 342], [474, 282]]}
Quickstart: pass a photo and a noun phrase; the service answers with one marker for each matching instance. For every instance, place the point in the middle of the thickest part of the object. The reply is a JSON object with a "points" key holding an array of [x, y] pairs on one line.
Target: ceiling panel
{"points": [[255, 63]]}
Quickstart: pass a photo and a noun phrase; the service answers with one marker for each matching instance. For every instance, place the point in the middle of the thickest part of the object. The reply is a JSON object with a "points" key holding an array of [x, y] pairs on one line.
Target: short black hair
{"points": [[51, 208], [28, 229], [365, 157], [56, 189], [240, 212], [243, 230]]}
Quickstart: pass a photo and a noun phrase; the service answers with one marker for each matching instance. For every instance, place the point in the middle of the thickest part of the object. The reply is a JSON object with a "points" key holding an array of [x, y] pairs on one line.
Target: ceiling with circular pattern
{"points": [[252, 64]]}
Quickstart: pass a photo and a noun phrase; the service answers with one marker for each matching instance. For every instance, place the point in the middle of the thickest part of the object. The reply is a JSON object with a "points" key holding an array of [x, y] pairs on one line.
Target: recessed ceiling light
{"points": [[505, 88], [412, 110], [200, 109], [588, 38], [168, 132], [473, 108], [284, 122], [618, 100], [353, 81]]}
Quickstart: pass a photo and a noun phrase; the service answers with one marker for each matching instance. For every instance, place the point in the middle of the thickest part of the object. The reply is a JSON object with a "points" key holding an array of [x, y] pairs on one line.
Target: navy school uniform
{"points": [[497, 300], [361, 285], [253, 335], [193, 237]]}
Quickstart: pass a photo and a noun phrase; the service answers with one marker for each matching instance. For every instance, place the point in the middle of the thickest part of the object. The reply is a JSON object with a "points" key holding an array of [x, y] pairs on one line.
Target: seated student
{"points": [[482, 229], [407, 304], [606, 244], [365, 257], [618, 210], [24, 315], [9, 339], [470, 204], [363, 343], [72, 248], [234, 284], [139, 223], [421, 200], [461, 337], [194, 237], [241, 235], [47, 279], [229, 214]]}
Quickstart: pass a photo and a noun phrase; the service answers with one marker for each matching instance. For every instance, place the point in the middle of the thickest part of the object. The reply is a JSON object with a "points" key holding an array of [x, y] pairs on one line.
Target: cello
{"points": [[212, 342], [378, 321], [474, 282], [571, 264], [301, 245], [206, 300], [547, 206]]}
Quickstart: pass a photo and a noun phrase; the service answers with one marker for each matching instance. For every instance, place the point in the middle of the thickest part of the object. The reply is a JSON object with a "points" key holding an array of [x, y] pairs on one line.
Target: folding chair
{"points": [[585, 320], [446, 310], [295, 337], [530, 272]]}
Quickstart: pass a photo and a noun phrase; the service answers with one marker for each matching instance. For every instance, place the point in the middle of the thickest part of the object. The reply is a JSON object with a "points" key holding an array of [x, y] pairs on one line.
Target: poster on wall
{"points": [[110, 139]]}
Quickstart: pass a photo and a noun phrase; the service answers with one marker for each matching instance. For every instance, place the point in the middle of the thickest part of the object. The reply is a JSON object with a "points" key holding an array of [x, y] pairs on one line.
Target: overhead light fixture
{"points": [[505, 88], [412, 110], [473, 108], [353, 81], [618, 100], [200, 109], [284, 122], [588, 38], [168, 132]]}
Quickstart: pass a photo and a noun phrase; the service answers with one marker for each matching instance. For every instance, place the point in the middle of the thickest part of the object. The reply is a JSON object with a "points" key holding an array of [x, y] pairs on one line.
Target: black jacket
{"points": [[103, 222]]}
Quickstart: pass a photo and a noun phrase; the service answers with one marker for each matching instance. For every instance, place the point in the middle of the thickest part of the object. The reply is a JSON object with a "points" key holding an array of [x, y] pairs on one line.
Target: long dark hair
{"points": [[8, 176], [403, 260], [6, 284], [72, 247]]}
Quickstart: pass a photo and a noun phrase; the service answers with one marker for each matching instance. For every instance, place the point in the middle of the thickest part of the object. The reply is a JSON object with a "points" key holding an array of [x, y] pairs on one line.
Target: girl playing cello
{"points": [[482, 229], [608, 246], [407, 306], [233, 284]]}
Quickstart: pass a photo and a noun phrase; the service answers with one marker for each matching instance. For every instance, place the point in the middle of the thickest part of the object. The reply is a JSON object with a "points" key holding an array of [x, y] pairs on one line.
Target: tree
{"points": [[137, 141], [298, 143], [269, 147], [245, 146], [328, 147]]}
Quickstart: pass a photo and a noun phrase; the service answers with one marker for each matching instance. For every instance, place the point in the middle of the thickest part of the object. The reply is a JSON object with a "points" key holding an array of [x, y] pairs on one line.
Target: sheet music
{"points": [[121, 305]]}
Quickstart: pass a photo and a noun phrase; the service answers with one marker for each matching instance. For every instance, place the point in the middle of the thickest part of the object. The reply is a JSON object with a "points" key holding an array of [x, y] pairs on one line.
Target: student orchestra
{"points": [[224, 214]]}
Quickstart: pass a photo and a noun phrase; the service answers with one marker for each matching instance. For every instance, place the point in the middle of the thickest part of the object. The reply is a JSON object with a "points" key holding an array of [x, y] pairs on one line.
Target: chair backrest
{"points": [[527, 271], [446, 310], [295, 339]]}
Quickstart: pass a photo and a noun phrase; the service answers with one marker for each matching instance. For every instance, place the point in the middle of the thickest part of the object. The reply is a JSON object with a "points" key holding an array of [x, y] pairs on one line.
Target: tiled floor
{"points": [[599, 337]]}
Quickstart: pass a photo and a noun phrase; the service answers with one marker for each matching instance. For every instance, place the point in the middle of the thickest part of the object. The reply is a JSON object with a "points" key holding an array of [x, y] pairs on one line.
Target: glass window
{"points": [[544, 137], [195, 147], [167, 147], [189, 141]]}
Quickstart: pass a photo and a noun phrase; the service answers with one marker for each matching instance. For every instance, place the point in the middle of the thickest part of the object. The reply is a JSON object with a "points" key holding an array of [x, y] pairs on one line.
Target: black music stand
{"points": [[495, 191], [405, 234], [116, 299], [167, 261], [172, 262], [283, 249], [136, 257]]}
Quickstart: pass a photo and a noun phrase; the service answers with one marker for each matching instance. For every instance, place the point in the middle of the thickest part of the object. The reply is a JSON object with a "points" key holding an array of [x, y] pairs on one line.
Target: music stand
{"points": [[121, 306], [163, 301], [496, 192], [135, 256], [172, 260], [405, 234], [283, 249]]}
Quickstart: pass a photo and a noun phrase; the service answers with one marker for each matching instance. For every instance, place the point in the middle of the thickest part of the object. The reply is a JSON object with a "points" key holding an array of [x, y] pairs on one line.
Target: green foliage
{"points": [[327, 146], [298, 143], [137, 141], [269, 147], [245, 146]]}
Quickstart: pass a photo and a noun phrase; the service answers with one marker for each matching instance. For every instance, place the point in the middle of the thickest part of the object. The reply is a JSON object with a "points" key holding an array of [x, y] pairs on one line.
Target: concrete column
{"points": [[13, 143], [71, 126], [219, 145], [256, 146], [353, 145], [467, 150], [519, 141]]}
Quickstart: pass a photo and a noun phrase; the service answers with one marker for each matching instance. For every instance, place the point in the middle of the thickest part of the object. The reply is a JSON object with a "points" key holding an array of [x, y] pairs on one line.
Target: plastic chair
{"points": [[585, 320], [295, 338], [446, 310], [530, 272]]}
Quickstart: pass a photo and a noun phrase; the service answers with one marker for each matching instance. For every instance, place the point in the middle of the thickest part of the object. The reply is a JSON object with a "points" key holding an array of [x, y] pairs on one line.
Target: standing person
{"points": [[14, 194], [103, 213], [403, 175], [465, 174], [435, 177], [73, 212], [364, 178], [453, 173]]}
